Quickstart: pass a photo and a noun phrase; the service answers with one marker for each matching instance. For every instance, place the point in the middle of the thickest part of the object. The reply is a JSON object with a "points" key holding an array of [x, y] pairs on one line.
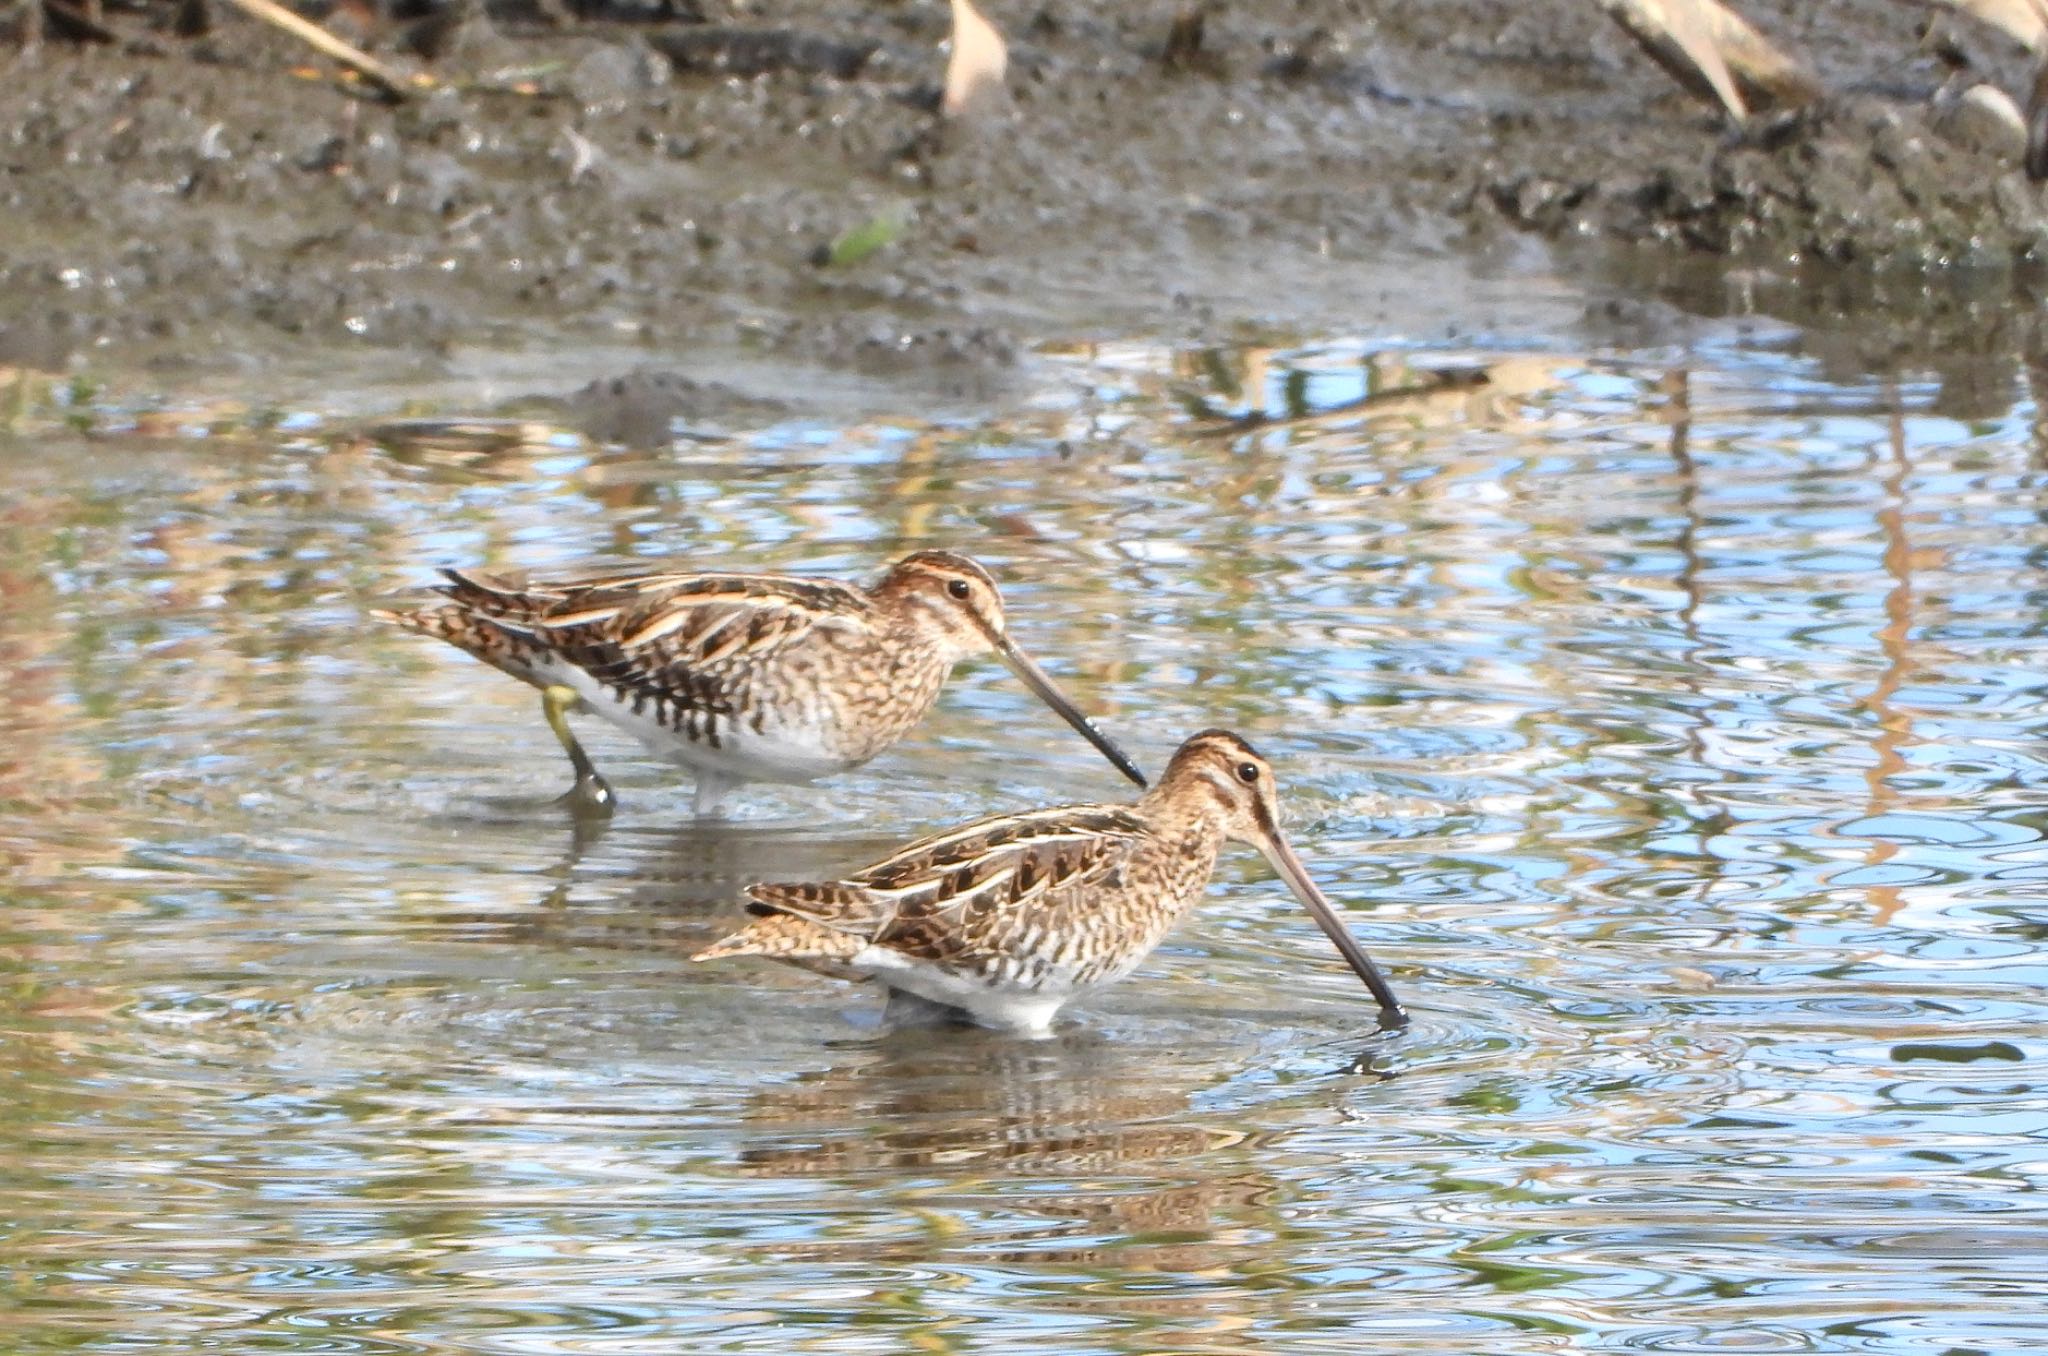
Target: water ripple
{"points": [[1670, 728]]}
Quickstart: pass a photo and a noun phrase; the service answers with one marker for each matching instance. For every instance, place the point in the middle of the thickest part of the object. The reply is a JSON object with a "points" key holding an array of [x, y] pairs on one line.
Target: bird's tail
{"points": [[478, 619], [781, 936]]}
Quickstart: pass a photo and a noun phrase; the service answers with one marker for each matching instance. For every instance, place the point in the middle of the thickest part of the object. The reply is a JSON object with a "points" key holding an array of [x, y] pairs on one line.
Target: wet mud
{"points": [[750, 196]]}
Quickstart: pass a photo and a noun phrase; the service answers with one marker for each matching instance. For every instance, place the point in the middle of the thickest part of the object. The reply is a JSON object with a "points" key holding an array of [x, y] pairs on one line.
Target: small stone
{"points": [[1984, 119]]}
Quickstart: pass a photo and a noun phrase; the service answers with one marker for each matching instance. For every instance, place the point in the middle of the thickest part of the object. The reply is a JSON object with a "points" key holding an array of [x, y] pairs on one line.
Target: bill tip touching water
{"points": [[742, 677], [1004, 920]]}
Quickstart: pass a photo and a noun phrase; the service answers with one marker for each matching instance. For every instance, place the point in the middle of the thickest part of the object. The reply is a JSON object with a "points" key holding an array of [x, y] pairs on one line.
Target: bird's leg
{"points": [[592, 794], [711, 789]]}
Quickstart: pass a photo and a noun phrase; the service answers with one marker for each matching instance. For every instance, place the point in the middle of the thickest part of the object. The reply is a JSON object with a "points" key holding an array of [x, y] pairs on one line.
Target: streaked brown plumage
{"points": [[743, 677], [1006, 919]]}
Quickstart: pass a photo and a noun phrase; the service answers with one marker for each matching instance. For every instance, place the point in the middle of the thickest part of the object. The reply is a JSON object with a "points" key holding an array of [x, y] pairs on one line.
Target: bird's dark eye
{"points": [[1247, 772], [958, 588]]}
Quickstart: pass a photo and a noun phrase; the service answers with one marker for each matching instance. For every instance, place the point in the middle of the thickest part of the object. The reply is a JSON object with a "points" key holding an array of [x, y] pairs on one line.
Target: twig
{"points": [[324, 42]]}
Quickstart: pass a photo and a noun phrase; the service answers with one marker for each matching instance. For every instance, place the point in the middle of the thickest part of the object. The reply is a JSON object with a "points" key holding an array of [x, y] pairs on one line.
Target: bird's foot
{"points": [[709, 802], [591, 798]]}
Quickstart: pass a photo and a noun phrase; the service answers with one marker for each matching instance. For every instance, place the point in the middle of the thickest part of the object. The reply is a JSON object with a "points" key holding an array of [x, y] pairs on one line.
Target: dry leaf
{"points": [[1714, 52], [2024, 21], [1675, 36], [1760, 68], [979, 58]]}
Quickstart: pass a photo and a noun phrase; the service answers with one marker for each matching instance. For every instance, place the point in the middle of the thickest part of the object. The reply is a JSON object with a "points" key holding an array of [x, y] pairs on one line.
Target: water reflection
{"points": [[1048, 1120], [1668, 722]]}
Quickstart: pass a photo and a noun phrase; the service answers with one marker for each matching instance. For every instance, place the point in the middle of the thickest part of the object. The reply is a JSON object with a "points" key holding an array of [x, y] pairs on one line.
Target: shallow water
{"points": [[1671, 725]]}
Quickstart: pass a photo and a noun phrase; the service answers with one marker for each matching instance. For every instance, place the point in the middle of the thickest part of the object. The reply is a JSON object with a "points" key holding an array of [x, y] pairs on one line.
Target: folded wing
{"points": [[678, 639], [942, 899]]}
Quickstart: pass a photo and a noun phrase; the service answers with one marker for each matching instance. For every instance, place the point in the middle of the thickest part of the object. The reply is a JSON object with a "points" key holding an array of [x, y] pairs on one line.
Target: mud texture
{"points": [[672, 181]]}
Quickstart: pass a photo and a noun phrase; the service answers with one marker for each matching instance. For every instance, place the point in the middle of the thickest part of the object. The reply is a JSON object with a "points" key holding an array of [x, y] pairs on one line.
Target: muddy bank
{"points": [[671, 186]]}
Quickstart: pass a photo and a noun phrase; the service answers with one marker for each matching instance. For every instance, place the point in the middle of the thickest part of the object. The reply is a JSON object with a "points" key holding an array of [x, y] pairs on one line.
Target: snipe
{"points": [[1006, 919], [742, 677]]}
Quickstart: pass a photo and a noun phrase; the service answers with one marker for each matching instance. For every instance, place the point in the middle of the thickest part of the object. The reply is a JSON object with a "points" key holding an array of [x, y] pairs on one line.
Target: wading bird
{"points": [[742, 677], [1006, 919]]}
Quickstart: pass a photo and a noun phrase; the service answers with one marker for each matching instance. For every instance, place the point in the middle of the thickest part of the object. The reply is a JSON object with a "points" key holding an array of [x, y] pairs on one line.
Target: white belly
{"points": [[778, 752], [1029, 1011]]}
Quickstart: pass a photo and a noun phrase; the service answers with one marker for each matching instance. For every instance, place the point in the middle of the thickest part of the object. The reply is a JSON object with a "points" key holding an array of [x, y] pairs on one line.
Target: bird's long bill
{"points": [[1040, 682], [1296, 875]]}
